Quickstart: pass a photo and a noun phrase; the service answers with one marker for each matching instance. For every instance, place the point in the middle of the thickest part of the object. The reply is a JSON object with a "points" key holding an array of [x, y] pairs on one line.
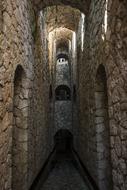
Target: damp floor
{"points": [[64, 176]]}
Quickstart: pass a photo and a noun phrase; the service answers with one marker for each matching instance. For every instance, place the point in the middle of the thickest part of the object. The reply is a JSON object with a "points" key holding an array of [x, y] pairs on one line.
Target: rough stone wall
{"points": [[63, 109], [17, 48], [116, 62], [1, 43], [92, 57], [1, 29], [20, 131], [76, 71], [63, 76], [17, 43], [39, 134], [108, 49], [102, 131], [63, 115]]}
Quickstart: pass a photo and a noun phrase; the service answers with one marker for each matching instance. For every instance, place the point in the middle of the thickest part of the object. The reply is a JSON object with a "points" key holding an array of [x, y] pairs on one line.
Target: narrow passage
{"points": [[64, 175]]}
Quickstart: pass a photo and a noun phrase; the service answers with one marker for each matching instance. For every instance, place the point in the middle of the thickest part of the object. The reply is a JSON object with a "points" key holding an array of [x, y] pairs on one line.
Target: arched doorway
{"points": [[63, 92], [63, 140], [19, 133], [102, 131]]}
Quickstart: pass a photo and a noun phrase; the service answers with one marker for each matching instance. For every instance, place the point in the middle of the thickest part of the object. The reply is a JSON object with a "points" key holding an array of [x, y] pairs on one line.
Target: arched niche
{"points": [[102, 131], [63, 140], [20, 131], [63, 92]]}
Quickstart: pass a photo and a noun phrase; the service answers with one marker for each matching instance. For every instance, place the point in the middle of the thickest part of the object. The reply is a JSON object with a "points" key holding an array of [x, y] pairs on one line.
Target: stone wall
{"points": [[63, 108], [105, 47], [17, 48], [76, 72], [116, 62], [23, 43], [63, 115], [63, 74], [40, 133], [103, 155], [92, 57], [20, 131]]}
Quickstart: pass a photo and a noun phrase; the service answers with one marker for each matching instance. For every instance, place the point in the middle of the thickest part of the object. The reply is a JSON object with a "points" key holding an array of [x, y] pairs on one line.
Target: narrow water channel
{"points": [[64, 175]]}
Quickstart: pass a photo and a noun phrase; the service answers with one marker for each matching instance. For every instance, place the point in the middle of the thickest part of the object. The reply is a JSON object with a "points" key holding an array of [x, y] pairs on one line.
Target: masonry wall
{"points": [[76, 82], [21, 43], [63, 115], [107, 49], [63, 108], [63, 74], [116, 62], [17, 48], [39, 134]]}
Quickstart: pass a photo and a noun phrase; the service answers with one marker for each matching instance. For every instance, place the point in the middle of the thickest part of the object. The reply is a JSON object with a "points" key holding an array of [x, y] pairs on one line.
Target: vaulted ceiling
{"points": [[62, 16], [61, 34], [82, 5]]}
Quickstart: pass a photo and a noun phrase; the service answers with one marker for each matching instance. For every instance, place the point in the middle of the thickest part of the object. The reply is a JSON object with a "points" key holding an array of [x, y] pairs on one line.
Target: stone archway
{"points": [[82, 5], [19, 133], [63, 92], [102, 131], [63, 140]]}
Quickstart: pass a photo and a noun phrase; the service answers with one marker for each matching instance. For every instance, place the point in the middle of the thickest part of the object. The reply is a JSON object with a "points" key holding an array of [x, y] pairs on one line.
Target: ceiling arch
{"points": [[61, 33], [62, 16], [64, 43], [82, 5]]}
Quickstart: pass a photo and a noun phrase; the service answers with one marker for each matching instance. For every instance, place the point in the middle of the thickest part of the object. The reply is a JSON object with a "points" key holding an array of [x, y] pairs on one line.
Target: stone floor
{"points": [[64, 176]]}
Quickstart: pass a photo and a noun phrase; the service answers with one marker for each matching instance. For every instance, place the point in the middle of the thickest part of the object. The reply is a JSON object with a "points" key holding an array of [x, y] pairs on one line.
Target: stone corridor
{"points": [[64, 176], [63, 83]]}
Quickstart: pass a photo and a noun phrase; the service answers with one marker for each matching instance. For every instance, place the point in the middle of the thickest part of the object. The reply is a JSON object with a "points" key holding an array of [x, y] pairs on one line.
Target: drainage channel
{"points": [[63, 171]]}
